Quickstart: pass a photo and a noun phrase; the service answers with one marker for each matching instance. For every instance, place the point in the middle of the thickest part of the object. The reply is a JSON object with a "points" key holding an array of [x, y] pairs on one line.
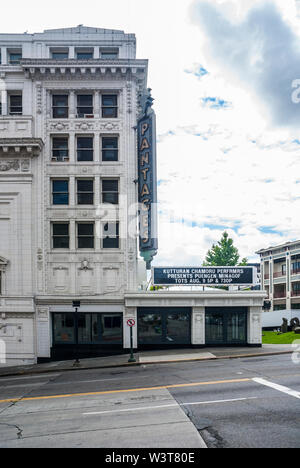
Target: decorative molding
{"points": [[21, 147], [3, 264], [84, 125], [6, 166]]}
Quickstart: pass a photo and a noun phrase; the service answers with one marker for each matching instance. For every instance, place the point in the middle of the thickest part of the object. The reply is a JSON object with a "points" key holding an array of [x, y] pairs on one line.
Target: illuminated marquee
{"points": [[212, 276]]}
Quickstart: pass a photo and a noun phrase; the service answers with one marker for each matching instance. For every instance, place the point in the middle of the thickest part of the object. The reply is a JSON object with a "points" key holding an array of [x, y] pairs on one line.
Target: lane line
{"points": [[168, 406], [73, 382], [40, 376], [278, 387], [111, 392]]}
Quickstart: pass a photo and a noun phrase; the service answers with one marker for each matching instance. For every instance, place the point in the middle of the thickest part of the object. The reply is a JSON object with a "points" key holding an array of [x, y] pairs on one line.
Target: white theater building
{"points": [[68, 192]]}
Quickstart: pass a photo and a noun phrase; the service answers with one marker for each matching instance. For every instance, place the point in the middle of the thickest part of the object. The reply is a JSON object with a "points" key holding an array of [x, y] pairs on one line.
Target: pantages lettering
{"points": [[147, 186]]}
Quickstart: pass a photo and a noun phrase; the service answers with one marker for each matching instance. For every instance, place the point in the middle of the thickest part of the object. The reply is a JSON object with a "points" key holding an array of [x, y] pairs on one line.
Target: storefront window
{"points": [[90, 328], [150, 328], [111, 326], [84, 328], [164, 326], [225, 325], [63, 328], [178, 327], [214, 327]]}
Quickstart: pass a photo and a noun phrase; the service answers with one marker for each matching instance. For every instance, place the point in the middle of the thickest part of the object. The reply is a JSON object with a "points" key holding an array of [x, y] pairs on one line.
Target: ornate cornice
{"points": [[37, 68], [21, 147]]}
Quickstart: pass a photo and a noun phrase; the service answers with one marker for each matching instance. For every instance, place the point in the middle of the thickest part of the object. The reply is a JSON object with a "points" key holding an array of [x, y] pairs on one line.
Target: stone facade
{"points": [[70, 101], [33, 272]]}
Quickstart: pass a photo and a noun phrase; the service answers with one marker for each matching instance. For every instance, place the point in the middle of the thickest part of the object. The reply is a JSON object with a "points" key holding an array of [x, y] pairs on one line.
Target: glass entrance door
{"points": [[226, 325]]}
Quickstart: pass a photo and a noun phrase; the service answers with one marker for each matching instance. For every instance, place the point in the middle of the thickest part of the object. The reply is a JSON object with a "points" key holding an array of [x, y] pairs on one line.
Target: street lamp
{"points": [[76, 305]]}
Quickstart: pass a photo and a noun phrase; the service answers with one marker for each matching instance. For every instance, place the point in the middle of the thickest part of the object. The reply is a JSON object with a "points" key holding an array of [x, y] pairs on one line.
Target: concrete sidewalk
{"points": [[149, 357]]}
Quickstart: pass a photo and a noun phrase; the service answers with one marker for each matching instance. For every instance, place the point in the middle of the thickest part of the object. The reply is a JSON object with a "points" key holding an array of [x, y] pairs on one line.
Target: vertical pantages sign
{"points": [[147, 183]]}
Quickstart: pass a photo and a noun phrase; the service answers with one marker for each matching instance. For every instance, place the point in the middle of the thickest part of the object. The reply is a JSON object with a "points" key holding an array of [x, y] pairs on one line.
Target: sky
{"points": [[225, 77]]}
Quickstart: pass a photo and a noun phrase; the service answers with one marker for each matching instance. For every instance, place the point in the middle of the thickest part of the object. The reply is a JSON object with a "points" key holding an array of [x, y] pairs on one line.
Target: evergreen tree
{"points": [[224, 254]]}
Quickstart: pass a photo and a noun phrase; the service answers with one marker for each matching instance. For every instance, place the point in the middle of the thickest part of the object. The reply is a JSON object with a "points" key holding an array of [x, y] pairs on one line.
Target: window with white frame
{"points": [[15, 103], [111, 235]]}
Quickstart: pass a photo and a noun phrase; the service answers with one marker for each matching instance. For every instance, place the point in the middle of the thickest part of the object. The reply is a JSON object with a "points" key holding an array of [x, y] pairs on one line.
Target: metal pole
{"points": [[77, 362], [132, 358]]}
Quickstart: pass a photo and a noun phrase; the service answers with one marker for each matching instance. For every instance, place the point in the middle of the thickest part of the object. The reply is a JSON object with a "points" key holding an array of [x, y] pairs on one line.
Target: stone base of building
{"points": [[161, 320]]}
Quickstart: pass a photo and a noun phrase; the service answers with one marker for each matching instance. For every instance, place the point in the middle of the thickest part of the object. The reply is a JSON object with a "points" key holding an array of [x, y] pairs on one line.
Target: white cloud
{"points": [[259, 50], [220, 168]]}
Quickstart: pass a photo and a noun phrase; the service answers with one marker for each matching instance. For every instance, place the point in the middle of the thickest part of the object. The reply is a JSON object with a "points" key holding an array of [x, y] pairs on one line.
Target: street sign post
{"points": [[76, 305], [131, 324]]}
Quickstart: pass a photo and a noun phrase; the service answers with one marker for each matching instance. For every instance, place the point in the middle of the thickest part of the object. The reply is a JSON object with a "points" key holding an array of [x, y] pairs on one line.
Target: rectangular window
{"points": [[1, 279], [85, 149], [84, 54], [15, 57], [60, 192], [85, 192], [60, 235], [64, 328], [84, 105], [60, 150], [85, 235], [109, 54], [60, 54], [109, 106], [110, 149], [60, 106], [15, 104], [88, 328], [111, 235], [110, 191]]}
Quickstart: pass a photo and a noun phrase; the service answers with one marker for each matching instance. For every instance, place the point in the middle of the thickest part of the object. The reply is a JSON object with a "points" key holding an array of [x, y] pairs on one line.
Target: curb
{"points": [[135, 364]]}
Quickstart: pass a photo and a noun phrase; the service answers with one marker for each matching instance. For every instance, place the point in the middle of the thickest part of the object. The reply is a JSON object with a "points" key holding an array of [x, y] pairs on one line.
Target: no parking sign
{"points": [[131, 322]]}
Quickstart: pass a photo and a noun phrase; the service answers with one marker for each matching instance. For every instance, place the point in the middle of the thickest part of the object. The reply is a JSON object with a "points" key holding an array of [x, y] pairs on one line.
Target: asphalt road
{"points": [[247, 402]]}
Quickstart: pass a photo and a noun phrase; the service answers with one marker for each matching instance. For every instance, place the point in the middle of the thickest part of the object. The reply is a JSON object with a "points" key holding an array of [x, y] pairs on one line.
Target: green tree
{"points": [[224, 254]]}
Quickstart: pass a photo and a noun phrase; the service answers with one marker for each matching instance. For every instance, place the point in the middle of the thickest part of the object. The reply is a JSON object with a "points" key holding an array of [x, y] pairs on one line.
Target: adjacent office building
{"points": [[280, 275], [71, 174]]}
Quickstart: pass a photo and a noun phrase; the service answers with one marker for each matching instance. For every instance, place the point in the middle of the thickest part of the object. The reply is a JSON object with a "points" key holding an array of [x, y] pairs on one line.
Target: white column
{"points": [[96, 147], [48, 104], [4, 102], [96, 52], [254, 325], [72, 234], [72, 105], [97, 104], [288, 284], [72, 191], [3, 56], [271, 287], [72, 148], [198, 326], [71, 52]]}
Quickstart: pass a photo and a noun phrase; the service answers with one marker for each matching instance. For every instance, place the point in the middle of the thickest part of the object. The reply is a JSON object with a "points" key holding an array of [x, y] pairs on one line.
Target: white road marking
{"points": [[168, 406], [40, 376], [278, 387]]}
